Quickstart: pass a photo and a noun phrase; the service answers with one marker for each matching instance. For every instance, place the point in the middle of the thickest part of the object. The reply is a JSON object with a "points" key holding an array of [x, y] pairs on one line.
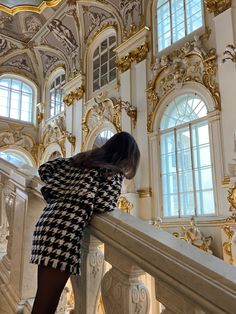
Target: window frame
{"points": [[179, 43], [109, 32], [217, 155], [33, 87], [52, 80]]}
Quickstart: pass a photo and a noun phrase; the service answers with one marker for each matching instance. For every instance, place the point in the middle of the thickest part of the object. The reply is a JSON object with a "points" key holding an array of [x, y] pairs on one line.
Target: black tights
{"points": [[50, 285]]}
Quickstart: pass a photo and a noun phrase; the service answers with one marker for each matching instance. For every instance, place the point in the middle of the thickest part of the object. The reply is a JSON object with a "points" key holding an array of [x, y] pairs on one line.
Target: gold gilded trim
{"points": [[30, 8], [143, 193], [138, 55], [227, 246], [217, 6], [124, 204], [73, 96]]}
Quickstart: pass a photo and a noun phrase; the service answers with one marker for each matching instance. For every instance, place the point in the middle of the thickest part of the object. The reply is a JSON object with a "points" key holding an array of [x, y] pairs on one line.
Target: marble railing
{"points": [[181, 277]]}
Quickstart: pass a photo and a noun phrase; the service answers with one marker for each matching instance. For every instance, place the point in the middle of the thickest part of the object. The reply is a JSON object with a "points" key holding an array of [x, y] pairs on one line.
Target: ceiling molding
{"points": [[30, 8]]}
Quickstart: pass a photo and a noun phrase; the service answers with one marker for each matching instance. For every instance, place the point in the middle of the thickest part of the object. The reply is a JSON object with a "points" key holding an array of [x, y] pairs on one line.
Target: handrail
{"points": [[199, 276]]}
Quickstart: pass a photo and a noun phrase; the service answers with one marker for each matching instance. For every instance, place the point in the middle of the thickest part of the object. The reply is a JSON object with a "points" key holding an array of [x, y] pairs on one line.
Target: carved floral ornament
{"points": [[55, 132], [217, 6], [232, 198], [104, 110], [189, 64], [138, 54], [74, 95]]}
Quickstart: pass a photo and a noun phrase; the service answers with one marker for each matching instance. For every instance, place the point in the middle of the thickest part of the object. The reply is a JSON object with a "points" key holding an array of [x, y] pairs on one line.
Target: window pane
{"points": [[96, 74], [205, 203], [112, 40], [96, 85], [170, 205], [104, 69], [187, 204], [104, 80], [112, 75], [104, 58], [104, 45], [96, 63]]}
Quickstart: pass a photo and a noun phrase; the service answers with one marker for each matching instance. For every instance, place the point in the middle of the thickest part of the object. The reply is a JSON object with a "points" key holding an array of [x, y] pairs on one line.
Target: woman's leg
{"points": [[50, 285]]}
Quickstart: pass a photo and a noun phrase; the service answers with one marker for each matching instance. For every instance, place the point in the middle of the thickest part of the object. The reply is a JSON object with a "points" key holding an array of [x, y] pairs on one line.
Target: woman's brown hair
{"points": [[119, 154]]}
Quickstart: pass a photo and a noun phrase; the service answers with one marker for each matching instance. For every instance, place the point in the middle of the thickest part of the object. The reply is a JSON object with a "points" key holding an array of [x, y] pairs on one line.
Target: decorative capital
{"points": [[138, 54], [74, 95], [217, 6]]}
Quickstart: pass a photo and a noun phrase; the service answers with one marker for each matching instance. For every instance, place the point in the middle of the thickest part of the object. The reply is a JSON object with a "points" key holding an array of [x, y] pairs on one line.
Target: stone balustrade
{"points": [[184, 279]]}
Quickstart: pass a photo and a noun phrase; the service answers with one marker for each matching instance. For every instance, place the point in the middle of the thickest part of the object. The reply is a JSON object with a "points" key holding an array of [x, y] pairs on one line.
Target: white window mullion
{"points": [[193, 170], [177, 172]]}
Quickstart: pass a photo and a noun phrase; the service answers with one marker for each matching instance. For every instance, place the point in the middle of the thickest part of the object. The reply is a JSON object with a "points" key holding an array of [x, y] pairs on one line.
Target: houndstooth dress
{"points": [[72, 195]]}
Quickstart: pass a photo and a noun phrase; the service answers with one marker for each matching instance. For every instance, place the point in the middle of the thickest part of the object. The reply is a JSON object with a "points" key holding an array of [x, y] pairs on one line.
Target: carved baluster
{"points": [[9, 203], [3, 222], [87, 286], [122, 290]]}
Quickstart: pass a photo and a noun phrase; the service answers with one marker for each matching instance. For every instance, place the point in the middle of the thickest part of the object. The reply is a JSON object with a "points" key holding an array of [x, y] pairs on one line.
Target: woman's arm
{"points": [[108, 193]]}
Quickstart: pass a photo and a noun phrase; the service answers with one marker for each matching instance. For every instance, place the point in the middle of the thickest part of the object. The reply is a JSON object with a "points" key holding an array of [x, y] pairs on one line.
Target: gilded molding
{"points": [[227, 246], [108, 109], [39, 116], [138, 54], [143, 193], [73, 96], [191, 63], [55, 132], [194, 236], [232, 198], [217, 6], [30, 8], [225, 182], [124, 204]]}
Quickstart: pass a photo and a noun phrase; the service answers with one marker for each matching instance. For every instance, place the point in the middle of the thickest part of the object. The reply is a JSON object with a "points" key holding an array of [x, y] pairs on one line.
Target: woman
{"points": [[75, 188]]}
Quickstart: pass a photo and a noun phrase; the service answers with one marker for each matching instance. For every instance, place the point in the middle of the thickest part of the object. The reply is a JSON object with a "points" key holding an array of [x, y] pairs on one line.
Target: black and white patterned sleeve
{"points": [[47, 169], [108, 193]]}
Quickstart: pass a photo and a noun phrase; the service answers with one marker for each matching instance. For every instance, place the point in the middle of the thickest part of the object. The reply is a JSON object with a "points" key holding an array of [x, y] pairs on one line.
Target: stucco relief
{"points": [[191, 63], [5, 46], [56, 132], [33, 24], [49, 60], [63, 35], [21, 62], [132, 15], [94, 17]]}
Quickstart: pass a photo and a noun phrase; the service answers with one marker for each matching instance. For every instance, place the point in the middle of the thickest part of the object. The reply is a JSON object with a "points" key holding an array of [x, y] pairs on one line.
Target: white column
{"points": [[143, 174], [74, 114], [224, 29]]}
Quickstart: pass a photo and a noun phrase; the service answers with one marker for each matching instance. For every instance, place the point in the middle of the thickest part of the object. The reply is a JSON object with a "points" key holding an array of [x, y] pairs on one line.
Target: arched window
{"points": [[104, 63], [176, 19], [16, 99], [56, 95], [186, 167], [102, 138]]}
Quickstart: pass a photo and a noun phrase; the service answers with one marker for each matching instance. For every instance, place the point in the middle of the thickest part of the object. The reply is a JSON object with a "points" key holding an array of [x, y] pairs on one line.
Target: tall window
{"points": [[186, 167], [16, 99], [104, 63], [56, 95], [176, 19]]}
